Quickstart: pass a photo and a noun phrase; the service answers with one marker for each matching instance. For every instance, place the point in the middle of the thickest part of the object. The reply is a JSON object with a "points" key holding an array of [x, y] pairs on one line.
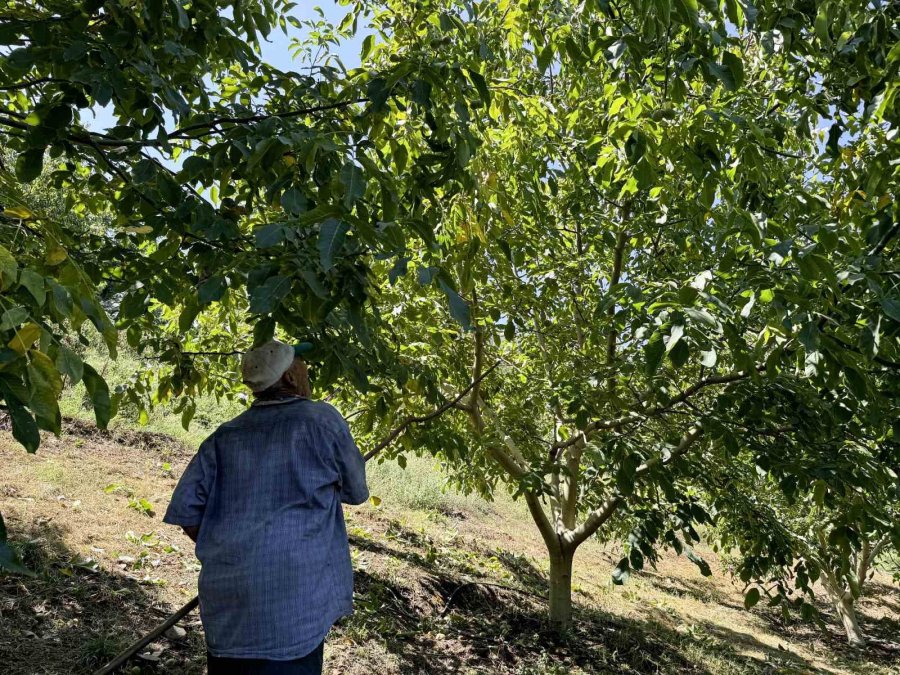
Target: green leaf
{"points": [[69, 364], [264, 298], [212, 289], [25, 337], [674, 337], [45, 386], [751, 598], [626, 472], [354, 183], [188, 315], [29, 165], [635, 146], [723, 74], [701, 564], [809, 336], [856, 382], [735, 66], [312, 280], [509, 330], [269, 235], [98, 392], [61, 299], [688, 9], [400, 155], [8, 268], [195, 167], [378, 92], [701, 317], [653, 354], [24, 427], [621, 573], [822, 25], [616, 106], [459, 308], [13, 318], [332, 234], [294, 201], [34, 282], [636, 559], [891, 307], [734, 12], [8, 558], [367, 44], [481, 85], [679, 354]]}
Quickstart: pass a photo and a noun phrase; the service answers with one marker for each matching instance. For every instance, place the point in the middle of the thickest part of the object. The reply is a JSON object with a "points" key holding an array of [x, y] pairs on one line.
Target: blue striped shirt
{"points": [[266, 491]]}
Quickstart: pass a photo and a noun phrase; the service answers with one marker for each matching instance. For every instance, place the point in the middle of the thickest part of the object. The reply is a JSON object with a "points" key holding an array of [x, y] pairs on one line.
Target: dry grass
{"points": [[108, 572]]}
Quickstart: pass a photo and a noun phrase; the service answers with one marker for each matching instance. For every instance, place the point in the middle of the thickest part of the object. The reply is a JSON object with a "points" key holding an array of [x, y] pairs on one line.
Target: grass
{"points": [[429, 492], [107, 572]]}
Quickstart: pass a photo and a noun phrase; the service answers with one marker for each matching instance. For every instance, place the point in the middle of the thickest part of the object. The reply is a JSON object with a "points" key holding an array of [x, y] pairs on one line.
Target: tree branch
{"points": [[25, 84], [392, 436], [95, 139], [779, 153], [183, 132], [606, 425], [613, 335], [599, 516]]}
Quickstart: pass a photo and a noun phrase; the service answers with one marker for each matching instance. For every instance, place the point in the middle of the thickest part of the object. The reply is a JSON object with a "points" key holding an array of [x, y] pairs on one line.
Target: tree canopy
{"points": [[642, 238]]}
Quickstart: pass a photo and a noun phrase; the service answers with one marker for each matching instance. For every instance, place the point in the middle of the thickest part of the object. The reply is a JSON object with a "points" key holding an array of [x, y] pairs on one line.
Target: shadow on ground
{"points": [[425, 611], [448, 623], [72, 617]]}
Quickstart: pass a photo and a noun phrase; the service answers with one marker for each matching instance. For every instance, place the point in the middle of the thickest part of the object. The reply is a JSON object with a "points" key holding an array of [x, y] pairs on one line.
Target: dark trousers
{"points": [[311, 664]]}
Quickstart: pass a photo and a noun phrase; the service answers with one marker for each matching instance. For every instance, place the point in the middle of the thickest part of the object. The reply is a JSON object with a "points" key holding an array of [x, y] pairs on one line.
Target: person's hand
{"points": [[192, 531]]}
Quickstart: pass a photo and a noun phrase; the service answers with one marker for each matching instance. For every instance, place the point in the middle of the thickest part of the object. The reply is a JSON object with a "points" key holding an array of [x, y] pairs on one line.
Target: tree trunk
{"points": [[847, 613], [561, 589]]}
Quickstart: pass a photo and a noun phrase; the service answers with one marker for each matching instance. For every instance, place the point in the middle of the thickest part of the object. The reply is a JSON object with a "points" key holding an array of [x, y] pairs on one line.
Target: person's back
{"points": [[263, 499]]}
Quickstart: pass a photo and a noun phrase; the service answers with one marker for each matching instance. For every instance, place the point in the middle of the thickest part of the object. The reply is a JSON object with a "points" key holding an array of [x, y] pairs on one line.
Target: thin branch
{"points": [[32, 83], [599, 516], [877, 359], [183, 132], [95, 139], [613, 335], [780, 153], [233, 353], [886, 239], [606, 425], [391, 437]]}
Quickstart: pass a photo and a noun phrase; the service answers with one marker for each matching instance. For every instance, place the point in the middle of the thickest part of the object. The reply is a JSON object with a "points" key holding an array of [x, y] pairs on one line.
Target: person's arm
{"points": [[192, 492], [352, 468]]}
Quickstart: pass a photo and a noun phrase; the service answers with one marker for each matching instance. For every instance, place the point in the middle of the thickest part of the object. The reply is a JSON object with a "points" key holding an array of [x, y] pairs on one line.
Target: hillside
{"points": [[108, 570]]}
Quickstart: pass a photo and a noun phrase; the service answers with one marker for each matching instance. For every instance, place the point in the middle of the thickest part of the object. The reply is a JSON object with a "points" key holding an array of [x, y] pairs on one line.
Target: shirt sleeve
{"points": [[190, 496], [352, 467]]}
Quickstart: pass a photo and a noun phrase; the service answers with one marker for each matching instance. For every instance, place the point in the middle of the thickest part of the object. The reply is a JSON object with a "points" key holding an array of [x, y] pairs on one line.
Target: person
{"points": [[262, 501]]}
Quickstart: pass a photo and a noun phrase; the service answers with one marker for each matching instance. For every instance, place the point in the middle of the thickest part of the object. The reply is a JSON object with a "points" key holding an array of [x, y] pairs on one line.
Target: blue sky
{"points": [[276, 50]]}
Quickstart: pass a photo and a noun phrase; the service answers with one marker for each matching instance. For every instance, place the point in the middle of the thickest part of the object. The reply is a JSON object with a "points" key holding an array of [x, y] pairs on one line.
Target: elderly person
{"points": [[262, 500]]}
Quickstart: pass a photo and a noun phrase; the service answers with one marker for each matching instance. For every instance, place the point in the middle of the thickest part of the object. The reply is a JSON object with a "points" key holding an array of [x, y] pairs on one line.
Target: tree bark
{"points": [[561, 589], [846, 611]]}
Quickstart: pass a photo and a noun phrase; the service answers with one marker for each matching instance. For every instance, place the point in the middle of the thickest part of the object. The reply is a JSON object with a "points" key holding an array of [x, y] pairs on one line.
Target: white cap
{"points": [[262, 367]]}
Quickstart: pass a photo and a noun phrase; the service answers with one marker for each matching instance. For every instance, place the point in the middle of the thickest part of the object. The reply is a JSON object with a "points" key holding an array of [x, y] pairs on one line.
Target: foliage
{"points": [[230, 193], [668, 260], [671, 223], [835, 533]]}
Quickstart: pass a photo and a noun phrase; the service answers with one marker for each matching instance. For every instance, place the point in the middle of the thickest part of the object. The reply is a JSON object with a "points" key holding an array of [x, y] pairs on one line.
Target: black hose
{"points": [[148, 638]]}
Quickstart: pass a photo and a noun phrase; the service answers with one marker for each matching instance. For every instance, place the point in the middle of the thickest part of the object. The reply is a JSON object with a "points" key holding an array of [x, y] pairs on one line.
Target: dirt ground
{"points": [[85, 513]]}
